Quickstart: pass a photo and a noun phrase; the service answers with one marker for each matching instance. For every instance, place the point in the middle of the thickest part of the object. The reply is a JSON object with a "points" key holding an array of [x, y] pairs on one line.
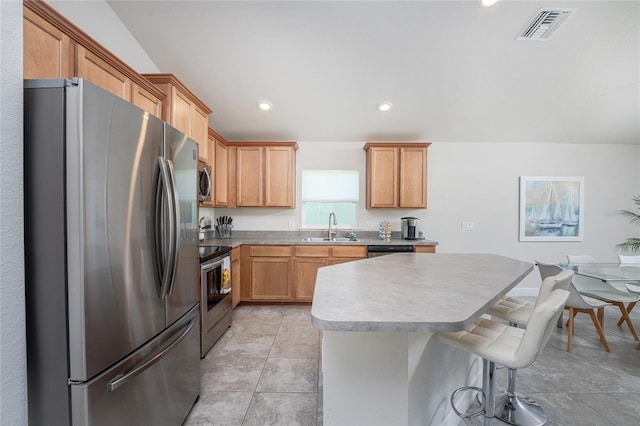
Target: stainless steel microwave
{"points": [[204, 182]]}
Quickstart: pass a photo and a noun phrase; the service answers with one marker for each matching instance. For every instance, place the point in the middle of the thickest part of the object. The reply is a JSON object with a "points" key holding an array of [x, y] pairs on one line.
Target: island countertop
{"points": [[412, 292]]}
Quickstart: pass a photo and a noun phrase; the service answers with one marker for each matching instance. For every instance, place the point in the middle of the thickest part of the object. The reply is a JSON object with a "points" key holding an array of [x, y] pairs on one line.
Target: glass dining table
{"points": [[609, 273]]}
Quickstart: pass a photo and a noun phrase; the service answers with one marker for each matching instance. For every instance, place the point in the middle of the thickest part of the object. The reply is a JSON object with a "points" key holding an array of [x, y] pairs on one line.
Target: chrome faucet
{"points": [[335, 222]]}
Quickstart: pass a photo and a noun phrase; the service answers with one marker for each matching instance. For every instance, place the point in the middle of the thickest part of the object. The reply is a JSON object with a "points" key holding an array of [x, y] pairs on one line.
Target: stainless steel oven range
{"points": [[215, 295]]}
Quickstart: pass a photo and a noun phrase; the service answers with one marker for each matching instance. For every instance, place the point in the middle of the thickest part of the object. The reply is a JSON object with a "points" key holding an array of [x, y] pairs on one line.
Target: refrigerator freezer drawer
{"points": [[157, 385]]}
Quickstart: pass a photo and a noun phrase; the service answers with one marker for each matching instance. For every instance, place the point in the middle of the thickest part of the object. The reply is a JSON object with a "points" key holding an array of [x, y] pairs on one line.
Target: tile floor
{"points": [[265, 370]]}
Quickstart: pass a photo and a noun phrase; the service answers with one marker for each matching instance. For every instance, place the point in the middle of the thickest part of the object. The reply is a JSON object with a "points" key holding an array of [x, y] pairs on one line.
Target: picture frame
{"points": [[551, 208]]}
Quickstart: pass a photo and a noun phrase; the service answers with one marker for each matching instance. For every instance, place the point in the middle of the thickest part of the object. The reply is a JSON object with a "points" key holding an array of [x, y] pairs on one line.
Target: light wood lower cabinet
{"points": [[307, 262], [424, 249], [342, 254], [270, 273], [236, 277], [309, 259], [288, 273]]}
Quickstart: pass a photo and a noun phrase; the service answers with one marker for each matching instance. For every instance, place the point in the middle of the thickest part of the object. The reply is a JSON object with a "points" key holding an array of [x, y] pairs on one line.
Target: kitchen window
{"points": [[326, 191]]}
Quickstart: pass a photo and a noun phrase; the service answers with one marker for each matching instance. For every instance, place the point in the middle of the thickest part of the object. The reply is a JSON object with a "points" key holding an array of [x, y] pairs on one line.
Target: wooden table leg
{"points": [[625, 315]]}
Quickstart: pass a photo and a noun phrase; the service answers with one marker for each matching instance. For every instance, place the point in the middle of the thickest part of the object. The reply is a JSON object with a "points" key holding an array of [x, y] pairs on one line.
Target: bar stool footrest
{"points": [[463, 389]]}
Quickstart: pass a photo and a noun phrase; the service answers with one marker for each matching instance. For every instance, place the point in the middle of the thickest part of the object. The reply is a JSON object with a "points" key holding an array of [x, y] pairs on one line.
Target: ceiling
{"points": [[452, 69]]}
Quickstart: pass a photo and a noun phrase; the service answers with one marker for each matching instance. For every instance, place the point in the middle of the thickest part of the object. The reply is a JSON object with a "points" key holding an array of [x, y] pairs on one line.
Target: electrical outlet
{"points": [[467, 226], [369, 225], [292, 224]]}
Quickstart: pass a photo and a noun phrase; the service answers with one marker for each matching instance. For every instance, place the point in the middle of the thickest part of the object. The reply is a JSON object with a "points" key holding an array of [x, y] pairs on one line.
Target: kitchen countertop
{"points": [[412, 292], [296, 238]]}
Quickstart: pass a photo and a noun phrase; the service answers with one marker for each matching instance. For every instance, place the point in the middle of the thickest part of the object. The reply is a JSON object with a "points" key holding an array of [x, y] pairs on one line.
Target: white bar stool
{"points": [[513, 408], [499, 343]]}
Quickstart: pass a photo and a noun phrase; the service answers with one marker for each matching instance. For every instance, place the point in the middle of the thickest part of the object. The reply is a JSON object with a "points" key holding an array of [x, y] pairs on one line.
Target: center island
{"points": [[381, 362]]}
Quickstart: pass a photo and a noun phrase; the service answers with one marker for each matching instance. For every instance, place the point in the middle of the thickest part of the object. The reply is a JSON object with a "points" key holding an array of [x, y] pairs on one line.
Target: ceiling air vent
{"points": [[544, 24]]}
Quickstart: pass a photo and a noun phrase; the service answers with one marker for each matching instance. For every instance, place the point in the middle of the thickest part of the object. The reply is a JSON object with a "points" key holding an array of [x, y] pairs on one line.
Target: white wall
{"points": [[13, 373], [479, 182], [97, 19]]}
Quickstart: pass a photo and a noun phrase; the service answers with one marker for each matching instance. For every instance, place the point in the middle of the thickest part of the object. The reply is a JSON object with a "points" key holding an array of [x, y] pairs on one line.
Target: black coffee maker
{"points": [[410, 228]]}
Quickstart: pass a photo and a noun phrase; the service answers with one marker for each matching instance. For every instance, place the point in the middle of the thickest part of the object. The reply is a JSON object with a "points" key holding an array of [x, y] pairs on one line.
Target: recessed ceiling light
{"points": [[385, 106], [265, 105], [489, 3]]}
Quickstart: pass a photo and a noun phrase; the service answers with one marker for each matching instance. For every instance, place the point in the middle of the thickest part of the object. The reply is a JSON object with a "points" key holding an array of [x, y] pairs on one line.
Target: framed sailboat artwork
{"points": [[551, 208]]}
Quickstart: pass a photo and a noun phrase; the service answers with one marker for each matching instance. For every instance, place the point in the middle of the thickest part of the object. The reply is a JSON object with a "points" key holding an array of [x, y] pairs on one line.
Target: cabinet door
{"points": [[280, 169], [200, 129], [235, 277], [47, 51], [221, 174], [306, 270], [382, 177], [100, 73], [413, 177], [181, 112], [142, 98], [250, 181], [424, 249], [271, 278]]}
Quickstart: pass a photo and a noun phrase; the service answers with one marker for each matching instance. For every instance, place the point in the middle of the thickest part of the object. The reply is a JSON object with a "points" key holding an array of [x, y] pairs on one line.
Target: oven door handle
{"points": [[211, 265]]}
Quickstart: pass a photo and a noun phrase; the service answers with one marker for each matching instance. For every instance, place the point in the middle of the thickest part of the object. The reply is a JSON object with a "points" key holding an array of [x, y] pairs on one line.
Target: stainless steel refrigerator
{"points": [[112, 261]]}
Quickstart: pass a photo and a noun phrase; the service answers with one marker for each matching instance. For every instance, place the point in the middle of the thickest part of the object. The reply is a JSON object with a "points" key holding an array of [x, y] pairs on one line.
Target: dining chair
{"points": [[608, 293], [632, 287], [578, 303]]}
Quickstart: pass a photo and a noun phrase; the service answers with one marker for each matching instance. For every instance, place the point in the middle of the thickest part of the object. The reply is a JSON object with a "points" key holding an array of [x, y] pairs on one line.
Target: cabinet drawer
{"points": [[349, 251], [265, 251], [424, 249], [312, 251]]}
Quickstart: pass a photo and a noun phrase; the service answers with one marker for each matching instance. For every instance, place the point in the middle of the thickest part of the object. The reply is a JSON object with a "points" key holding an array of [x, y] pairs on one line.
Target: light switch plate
{"points": [[467, 226]]}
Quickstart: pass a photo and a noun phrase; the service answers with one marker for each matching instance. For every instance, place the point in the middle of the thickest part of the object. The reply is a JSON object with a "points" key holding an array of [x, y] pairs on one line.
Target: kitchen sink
{"points": [[327, 240]]}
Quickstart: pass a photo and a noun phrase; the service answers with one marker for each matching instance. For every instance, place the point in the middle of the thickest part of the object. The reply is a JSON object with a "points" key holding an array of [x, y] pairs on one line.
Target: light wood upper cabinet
{"points": [[280, 176], [182, 109], [101, 73], [250, 176], [221, 174], [56, 48], [265, 174], [214, 153], [47, 50], [396, 175], [144, 99]]}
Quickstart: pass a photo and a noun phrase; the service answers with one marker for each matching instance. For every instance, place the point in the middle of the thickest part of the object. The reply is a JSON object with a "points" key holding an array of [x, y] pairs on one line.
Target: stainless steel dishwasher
{"points": [[383, 249]]}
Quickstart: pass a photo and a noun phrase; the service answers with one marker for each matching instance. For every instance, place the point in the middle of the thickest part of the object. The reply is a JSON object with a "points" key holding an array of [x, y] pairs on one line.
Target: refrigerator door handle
{"points": [[165, 246], [175, 241], [123, 378]]}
